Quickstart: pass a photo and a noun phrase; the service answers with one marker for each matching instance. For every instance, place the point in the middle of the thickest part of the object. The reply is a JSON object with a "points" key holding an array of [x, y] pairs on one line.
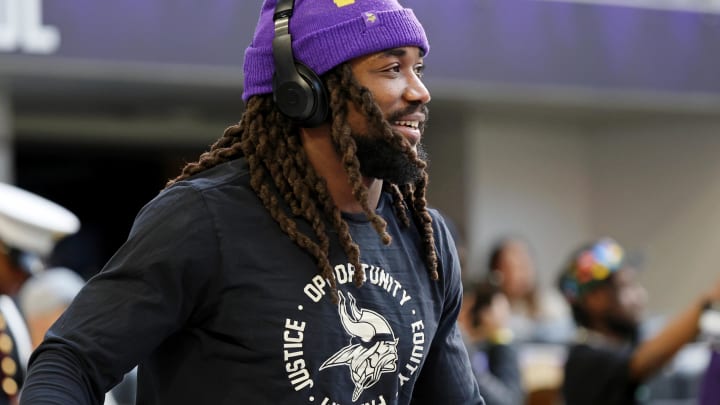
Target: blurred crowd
{"points": [[33, 291], [586, 339]]}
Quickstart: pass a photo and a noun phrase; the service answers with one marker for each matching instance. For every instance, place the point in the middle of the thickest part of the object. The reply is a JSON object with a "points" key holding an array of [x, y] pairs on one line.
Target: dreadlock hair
{"points": [[283, 178]]}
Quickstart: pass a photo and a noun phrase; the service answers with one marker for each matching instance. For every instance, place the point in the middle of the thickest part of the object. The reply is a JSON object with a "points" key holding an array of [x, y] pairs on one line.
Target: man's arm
{"points": [[446, 376], [654, 353], [57, 378], [146, 292], [501, 383]]}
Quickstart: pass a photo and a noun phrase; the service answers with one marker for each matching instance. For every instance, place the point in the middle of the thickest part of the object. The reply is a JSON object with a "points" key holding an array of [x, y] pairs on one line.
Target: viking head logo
{"points": [[372, 349]]}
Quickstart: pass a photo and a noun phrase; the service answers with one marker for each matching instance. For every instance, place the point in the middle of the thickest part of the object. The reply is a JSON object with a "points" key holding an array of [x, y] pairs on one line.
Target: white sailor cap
{"points": [[31, 223]]}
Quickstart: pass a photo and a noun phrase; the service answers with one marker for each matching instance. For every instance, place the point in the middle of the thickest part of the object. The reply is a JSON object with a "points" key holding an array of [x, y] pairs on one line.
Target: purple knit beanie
{"points": [[327, 33]]}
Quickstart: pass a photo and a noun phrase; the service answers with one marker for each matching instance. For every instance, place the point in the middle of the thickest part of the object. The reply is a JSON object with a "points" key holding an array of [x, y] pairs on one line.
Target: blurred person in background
{"points": [[484, 321], [610, 361], [540, 319], [296, 261], [30, 226], [43, 298], [536, 314]]}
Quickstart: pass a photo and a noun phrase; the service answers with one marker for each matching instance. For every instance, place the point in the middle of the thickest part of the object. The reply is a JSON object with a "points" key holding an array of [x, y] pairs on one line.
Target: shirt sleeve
{"points": [[156, 283], [500, 383], [446, 376]]}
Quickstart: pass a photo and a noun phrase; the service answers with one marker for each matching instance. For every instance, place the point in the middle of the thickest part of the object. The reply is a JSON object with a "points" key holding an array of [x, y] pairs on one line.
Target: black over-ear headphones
{"points": [[298, 92]]}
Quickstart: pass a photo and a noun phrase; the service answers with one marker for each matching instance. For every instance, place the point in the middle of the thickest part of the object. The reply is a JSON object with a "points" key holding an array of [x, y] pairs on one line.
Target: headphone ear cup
{"points": [[303, 98], [320, 106]]}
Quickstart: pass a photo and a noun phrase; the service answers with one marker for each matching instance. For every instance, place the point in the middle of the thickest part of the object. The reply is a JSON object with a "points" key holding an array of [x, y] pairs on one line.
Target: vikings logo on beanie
{"points": [[589, 267], [327, 33]]}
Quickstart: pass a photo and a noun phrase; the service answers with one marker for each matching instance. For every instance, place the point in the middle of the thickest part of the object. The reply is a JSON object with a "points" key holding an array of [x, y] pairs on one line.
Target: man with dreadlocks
{"points": [[296, 262]]}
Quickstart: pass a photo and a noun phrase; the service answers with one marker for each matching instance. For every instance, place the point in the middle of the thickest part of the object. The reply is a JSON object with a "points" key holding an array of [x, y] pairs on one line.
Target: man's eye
{"points": [[420, 70]]}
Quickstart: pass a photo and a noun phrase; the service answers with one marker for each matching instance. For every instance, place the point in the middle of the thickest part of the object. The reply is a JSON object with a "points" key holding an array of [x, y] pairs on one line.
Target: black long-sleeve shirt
{"points": [[218, 306], [497, 370]]}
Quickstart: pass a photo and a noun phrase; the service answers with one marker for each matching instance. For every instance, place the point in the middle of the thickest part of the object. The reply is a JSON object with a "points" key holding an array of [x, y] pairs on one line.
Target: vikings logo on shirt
{"points": [[372, 350]]}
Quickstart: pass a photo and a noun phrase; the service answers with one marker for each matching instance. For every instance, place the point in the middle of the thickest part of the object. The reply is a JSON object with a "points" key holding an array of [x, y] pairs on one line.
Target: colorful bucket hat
{"points": [[591, 266]]}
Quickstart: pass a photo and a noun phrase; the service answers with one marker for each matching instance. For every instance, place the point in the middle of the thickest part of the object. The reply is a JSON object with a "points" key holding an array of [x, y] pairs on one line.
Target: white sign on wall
{"points": [[21, 28]]}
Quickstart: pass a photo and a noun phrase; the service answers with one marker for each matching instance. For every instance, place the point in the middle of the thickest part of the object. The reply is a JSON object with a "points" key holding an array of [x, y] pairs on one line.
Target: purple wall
{"points": [[506, 41]]}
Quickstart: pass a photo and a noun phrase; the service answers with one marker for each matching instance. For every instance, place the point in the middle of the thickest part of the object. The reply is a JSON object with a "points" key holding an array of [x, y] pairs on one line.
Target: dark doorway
{"points": [[104, 185]]}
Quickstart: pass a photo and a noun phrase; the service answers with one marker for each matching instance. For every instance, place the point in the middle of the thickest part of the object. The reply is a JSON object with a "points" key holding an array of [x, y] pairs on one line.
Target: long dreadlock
{"points": [[282, 177]]}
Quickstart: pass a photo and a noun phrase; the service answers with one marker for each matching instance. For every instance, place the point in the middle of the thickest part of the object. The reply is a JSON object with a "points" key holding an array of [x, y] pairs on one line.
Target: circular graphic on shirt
{"points": [[372, 349]]}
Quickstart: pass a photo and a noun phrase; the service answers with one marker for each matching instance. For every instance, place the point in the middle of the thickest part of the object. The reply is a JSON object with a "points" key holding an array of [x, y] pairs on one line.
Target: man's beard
{"points": [[627, 329], [380, 159]]}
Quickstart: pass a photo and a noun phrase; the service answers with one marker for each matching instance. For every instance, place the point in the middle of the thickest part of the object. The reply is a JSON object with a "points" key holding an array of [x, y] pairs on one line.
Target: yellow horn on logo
{"points": [[343, 3]]}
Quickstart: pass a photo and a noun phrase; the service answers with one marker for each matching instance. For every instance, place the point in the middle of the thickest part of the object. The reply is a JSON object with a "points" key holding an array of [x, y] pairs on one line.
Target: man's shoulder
{"points": [[227, 177], [188, 194], [233, 172]]}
